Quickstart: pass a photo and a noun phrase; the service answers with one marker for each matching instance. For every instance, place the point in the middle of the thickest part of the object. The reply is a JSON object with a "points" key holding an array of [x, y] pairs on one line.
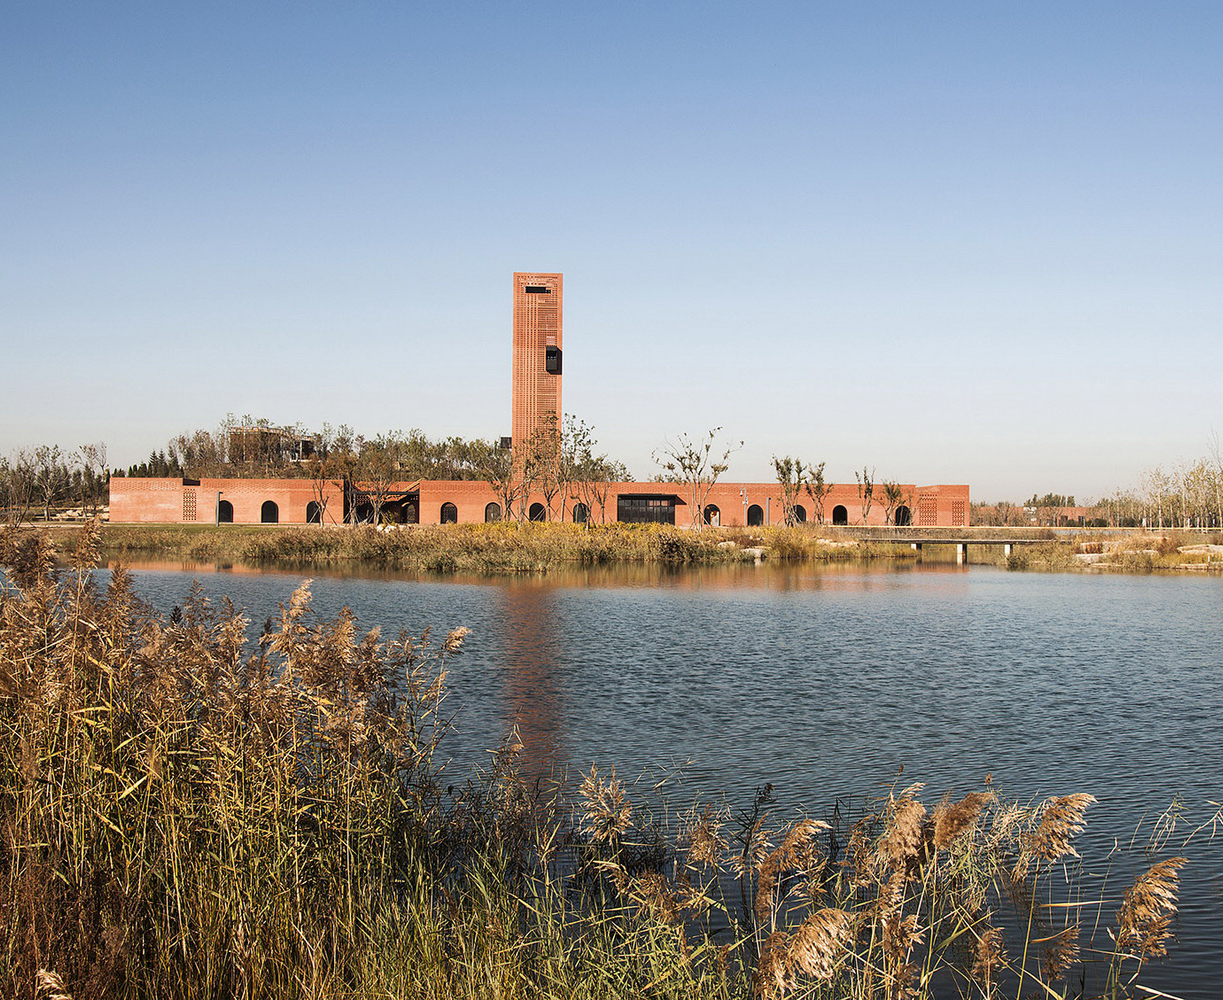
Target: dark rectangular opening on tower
{"points": [[552, 360], [537, 290]]}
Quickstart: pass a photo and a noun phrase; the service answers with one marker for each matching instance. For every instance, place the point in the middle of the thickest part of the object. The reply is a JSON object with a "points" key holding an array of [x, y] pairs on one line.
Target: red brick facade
{"points": [[535, 389], [191, 501]]}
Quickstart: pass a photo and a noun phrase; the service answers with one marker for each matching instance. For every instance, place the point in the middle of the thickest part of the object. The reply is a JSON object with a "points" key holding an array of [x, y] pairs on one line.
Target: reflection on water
{"points": [[533, 699], [826, 680]]}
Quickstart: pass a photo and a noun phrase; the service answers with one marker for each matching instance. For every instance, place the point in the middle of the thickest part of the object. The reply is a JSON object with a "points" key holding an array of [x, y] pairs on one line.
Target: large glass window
{"points": [[492, 513], [450, 514], [645, 509]]}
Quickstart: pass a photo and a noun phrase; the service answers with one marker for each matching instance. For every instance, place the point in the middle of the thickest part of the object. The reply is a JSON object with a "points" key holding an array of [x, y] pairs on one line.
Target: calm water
{"points": [[828, 681]]}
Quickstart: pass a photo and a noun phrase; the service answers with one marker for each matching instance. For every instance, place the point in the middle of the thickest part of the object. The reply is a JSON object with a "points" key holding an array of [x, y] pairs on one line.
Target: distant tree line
{"points": [[46, 480], [1188, 495]]}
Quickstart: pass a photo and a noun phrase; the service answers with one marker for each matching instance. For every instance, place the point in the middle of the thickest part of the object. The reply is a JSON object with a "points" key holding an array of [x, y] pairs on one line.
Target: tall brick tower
{"points": [[536, 388]]}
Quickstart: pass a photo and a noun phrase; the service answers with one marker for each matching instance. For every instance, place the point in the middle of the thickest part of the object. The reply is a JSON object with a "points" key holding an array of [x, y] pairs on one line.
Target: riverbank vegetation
{"points": [[485, 548], [188, 813]]}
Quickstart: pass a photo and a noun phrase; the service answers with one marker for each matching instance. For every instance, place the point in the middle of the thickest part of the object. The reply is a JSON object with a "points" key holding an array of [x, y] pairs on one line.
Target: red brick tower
{"points": [[536, 388]]}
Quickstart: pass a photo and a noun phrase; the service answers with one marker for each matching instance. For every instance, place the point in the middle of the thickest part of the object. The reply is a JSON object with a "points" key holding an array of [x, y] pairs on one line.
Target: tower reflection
{"points": [[533, 696]]}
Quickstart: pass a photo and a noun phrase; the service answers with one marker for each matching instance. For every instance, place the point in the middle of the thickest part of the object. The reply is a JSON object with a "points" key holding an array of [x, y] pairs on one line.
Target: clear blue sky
{"points": [[959, 242]]}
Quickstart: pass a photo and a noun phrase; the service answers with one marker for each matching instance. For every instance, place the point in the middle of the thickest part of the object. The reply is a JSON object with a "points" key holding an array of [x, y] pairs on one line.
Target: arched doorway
{"points": [[800, 514], [538, 513], [269, 513], [581, 513], [755, 516], [492, 513], [314, 512], [904, 516], [713, 515], [840, 515], [450, 513], [225, 512]]}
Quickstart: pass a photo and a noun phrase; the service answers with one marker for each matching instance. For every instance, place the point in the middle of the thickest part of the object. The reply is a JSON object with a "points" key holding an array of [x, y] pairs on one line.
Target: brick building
{"points": [[535, 395]]}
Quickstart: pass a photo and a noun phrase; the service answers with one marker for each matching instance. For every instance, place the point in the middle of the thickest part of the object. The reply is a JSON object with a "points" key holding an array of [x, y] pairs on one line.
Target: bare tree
{"points": [[792, 477], [92, 458], [866, 490], [51, 477], [588, 476], [817, 489], [697, 465], [894, 496], [497, 467]]}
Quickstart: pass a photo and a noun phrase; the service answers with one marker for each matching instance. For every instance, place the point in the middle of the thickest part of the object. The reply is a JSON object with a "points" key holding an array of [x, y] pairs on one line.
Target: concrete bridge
{"points": [[961, 538]]}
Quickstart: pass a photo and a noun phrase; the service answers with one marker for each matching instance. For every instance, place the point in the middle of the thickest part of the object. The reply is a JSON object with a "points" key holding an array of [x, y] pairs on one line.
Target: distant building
{"points": [[535, 396]]}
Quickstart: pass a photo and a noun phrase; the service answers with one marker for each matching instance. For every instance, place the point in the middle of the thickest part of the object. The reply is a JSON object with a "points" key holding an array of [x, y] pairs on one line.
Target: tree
{"points": [[792, 477], [588, 476], [894, 496], [499, 469], [866, 490], [542, 457], [17, 487], [51, 477], [92, 459], [817, 490], [378, 470], [697, 465]]}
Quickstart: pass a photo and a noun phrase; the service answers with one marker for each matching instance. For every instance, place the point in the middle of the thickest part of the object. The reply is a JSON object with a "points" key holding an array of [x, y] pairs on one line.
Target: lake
{"points": [[829, 680]]}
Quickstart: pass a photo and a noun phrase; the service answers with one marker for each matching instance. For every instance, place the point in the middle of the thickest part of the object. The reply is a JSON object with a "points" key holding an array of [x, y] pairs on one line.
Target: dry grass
{"points": [[186, 813]]}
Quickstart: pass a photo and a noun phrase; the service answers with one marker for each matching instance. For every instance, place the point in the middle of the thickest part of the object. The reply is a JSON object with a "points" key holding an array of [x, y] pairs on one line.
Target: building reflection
{"points": [[533, 694]]}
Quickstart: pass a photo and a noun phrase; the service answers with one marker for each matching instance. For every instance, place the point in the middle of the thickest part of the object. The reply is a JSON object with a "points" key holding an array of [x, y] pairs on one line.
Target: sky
{"points": [[964, 242]]}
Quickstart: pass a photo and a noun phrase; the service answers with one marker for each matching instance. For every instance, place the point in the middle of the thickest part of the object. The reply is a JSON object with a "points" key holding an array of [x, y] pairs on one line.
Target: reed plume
{"points": [[1147, 908]]}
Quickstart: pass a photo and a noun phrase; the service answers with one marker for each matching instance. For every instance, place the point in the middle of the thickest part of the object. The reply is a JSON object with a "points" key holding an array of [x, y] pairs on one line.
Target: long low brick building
{"points": [[304, 501]]}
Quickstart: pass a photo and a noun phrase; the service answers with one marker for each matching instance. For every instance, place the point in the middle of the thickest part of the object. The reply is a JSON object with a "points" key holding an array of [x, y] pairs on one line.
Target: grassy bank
{"points": [[482, 548], [1135, 552], [184, 814]]}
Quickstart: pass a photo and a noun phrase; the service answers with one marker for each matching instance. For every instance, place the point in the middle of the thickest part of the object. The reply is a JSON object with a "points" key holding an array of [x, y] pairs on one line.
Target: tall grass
{"points": [[183, 814], [471, 548]]}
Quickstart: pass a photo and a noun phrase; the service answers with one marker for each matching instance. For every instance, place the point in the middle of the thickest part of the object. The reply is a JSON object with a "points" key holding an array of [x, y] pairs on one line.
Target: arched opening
{"points": [[411, 515], [755, 516], [800, 514], [904, 516], [450, 513], [840, 515], [712, 514], [314, 512], [538, 513], [581, 513], [269, 513], [225, 512], [492, 513]]}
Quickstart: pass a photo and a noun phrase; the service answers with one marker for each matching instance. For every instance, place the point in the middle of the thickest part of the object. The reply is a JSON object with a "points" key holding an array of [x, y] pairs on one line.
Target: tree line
{"points": [[48, 479]]}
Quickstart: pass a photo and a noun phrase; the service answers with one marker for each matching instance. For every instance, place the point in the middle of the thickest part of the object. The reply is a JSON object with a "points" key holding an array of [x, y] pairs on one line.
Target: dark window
{"points": [[450, 514], [507, 443], [840, 515], [800, 514], [269, 513], [755, 516], [713, 515], [537, 290], [904, 516], [191, 482], [492, 513], [581, 514], [538, 513], [314, 512], [225, 512], [645, 509], [552, 360]]}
